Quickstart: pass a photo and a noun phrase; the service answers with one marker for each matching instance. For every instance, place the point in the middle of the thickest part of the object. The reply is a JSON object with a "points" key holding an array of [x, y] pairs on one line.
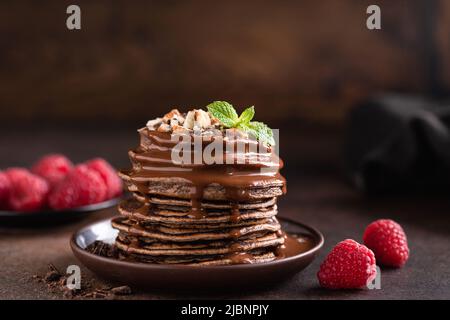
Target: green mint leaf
{"points": [[247, 115], [228, 117], [224, 112], [260, 131]]}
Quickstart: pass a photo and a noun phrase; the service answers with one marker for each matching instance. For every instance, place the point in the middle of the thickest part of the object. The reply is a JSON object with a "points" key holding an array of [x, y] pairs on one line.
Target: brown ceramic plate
{"points": [[179, 277], [46, 217]]}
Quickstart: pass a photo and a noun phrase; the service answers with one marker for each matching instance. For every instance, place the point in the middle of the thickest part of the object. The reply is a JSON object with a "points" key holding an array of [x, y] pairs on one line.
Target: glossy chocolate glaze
{"points": [[153, 159], [293, 245]]}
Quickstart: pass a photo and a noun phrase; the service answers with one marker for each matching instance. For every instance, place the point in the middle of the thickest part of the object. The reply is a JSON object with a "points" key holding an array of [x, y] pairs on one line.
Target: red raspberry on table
{"points": [[5, 190], [108, 174], [53, 168], [82, 186], [388, 241], [28, 191], [348, 265]]}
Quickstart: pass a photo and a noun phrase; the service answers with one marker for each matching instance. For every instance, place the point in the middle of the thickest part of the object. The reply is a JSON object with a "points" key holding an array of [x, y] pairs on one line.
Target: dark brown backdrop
{"points": [[309, 60]]}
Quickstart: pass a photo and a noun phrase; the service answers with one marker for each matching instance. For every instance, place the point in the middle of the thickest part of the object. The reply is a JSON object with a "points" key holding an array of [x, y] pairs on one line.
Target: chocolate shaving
{"points": [[53, 274], [121, 291], [102, 249]]}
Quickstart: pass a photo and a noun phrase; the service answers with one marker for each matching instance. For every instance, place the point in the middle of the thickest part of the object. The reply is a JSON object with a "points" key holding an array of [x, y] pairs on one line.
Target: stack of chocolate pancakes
{"points": [[198, 213]]}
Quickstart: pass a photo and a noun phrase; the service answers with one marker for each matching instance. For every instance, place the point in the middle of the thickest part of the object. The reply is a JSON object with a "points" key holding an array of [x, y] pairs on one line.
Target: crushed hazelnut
{"points": [[154, 124], [164, 127], [201, 119], [196, 120], [189, 120], [179, 129], [174, 113]]}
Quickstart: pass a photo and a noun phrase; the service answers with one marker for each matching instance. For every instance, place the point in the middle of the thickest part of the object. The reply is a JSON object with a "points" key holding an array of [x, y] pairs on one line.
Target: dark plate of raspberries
{"points": [[54, 189]]}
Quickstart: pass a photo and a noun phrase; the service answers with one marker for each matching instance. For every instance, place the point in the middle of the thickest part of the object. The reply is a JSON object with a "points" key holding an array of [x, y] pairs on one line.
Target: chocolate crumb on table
{"points": [[56, 281]]}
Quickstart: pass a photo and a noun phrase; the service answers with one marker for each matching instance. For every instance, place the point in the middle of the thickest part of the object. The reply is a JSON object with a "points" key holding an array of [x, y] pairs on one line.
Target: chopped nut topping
{"points": [[174, 114], [190, 119], [180, 130], [164, 127], [202, 119], [195, 121], [154, 124]]}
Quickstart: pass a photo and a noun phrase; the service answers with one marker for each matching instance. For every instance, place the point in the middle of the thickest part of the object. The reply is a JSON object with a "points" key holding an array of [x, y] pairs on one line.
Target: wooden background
{"points": [[307, 60]]}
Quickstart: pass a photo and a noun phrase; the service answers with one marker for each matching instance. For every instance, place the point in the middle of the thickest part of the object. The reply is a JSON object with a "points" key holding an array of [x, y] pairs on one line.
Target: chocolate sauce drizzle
{"points": [[153, 159]]}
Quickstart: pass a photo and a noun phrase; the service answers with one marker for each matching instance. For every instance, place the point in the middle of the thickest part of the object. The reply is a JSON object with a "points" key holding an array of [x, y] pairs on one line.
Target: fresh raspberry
{"points": [[108, 174], [5, 190], [82, 186], [348, 265], [388, 241], [53, 168], [28, 191]]}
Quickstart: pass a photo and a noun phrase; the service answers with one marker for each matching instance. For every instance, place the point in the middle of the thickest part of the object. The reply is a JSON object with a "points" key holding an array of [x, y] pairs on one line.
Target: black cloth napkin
{"points": [[398, 143]]}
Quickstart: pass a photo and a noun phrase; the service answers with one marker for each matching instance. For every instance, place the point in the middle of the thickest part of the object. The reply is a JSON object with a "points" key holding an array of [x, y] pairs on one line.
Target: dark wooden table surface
{"points": [[317, 195]]}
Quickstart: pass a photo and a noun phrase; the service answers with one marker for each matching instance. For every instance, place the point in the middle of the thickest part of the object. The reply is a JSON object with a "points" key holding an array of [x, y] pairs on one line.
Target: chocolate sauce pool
{"points": [[294, 244]]}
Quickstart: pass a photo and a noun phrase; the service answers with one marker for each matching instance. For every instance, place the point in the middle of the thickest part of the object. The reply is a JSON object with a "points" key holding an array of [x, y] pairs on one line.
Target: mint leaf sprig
{"points": [[228, 117]]}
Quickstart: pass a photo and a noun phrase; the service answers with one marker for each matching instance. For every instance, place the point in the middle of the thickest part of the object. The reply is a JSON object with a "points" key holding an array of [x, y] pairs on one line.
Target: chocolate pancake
{"points": [[183, 235], [181, 188], [165, 245], [138, 211], [246, 258], [165, 202], [253, 257], [270, 240], [224, 227], [206, 213]]}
